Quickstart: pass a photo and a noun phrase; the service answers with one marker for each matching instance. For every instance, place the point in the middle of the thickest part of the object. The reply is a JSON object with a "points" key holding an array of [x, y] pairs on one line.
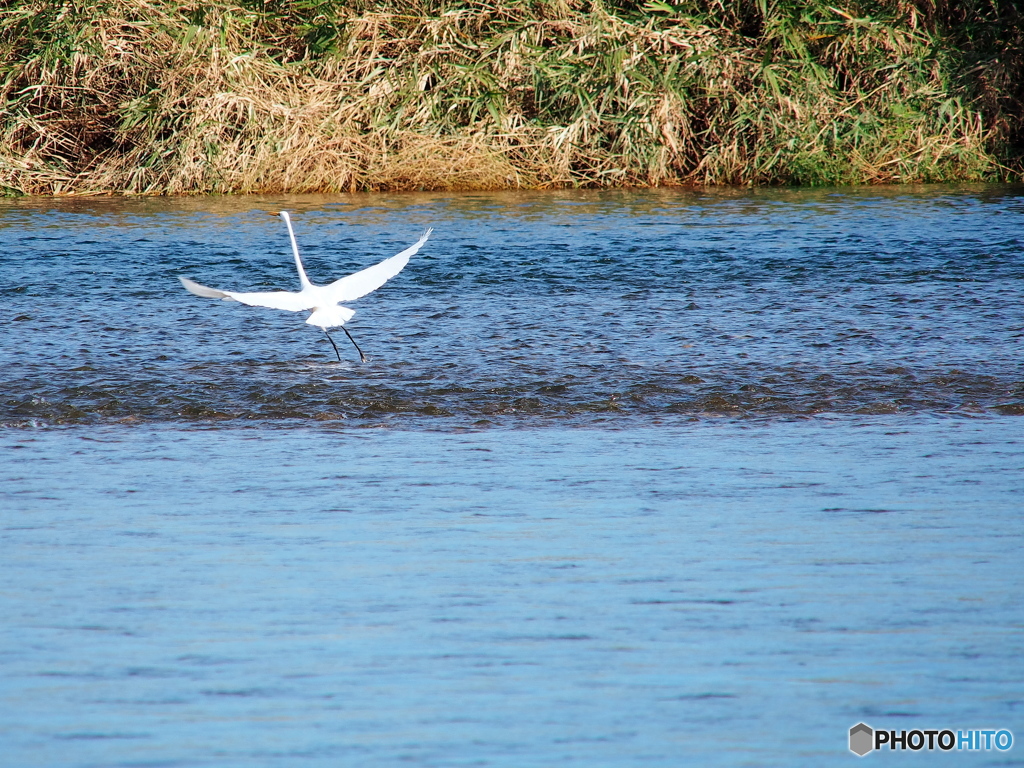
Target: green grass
{"points": [[161, 97]]}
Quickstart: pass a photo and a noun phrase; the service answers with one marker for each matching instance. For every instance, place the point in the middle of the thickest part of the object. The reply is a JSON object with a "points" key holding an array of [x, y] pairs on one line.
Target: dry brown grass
{"points": [[157, 97]]}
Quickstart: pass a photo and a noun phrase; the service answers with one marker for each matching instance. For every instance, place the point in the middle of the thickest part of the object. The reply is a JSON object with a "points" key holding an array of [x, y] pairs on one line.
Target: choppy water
{"points": [[580, 306], [655, 479]]}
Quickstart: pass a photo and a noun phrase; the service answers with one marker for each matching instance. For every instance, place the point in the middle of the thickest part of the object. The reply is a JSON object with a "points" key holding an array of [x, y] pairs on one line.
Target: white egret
{"points": [[322, 299]]}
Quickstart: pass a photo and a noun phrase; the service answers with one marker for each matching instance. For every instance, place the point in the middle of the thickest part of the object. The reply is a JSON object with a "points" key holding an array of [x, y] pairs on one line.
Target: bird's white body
{"points": [[324, 300]]}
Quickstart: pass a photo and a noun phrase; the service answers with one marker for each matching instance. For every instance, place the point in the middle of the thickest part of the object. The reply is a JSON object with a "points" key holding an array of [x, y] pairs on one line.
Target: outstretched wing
{"points": [[201, 290], [372, 278], [292, 302]]}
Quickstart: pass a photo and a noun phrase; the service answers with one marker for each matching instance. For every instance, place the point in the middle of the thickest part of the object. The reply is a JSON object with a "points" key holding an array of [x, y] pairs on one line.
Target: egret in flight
{"points": [[322, 299]]}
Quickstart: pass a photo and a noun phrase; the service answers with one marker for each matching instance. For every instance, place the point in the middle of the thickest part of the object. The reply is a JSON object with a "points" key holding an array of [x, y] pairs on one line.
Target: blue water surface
{"points": [[662, 478], [719, 593]]}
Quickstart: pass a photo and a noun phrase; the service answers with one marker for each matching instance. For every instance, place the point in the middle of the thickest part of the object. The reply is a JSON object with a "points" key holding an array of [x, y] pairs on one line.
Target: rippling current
{"points": [[587, 307], [553, 549]]}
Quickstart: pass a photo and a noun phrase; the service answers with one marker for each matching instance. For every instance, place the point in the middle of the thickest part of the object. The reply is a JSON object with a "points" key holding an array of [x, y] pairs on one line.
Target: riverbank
{"points": [[161, 97]]}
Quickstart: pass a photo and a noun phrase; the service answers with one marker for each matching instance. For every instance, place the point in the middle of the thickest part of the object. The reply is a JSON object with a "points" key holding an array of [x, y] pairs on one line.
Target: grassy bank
{"points": [[156, 96]]}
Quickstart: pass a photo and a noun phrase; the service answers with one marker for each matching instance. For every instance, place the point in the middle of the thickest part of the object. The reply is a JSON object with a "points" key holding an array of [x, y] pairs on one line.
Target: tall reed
{"points": [[165, 97]]}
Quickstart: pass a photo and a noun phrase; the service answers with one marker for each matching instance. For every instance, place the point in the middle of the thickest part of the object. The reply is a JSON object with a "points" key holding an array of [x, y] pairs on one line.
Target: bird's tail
{"points": [[330, 317]]}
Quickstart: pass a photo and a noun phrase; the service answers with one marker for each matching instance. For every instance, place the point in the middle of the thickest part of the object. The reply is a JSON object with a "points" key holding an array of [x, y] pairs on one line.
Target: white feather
{"points": [[322, 299], [370, 279]]}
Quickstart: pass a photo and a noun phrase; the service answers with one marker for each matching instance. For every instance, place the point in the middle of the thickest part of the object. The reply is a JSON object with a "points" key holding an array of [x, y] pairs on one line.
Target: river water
{"points": [[630, 478]]}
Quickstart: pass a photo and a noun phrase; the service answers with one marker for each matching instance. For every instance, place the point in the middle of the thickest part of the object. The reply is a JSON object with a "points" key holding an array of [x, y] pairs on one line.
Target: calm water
{"points": [[631, 479]]}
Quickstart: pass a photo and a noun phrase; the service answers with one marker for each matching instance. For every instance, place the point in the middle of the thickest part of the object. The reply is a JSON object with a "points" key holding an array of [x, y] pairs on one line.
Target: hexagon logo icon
{"points": [[862, 739]]}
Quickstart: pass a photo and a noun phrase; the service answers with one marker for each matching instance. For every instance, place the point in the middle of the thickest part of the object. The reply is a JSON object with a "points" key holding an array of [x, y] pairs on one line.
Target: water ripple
{"points": [[626, 307]]}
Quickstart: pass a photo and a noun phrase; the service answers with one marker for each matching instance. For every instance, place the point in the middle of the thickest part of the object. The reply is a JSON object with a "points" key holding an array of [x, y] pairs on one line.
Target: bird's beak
{"points": [[272, 213]]}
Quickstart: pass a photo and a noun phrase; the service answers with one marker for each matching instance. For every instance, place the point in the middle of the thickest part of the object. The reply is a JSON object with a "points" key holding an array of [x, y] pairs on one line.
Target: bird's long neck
{"points": [[295, 250]]}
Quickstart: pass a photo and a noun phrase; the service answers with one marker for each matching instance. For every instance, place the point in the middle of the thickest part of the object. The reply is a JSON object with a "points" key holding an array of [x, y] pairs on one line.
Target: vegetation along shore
{"points": [[165, 97]]}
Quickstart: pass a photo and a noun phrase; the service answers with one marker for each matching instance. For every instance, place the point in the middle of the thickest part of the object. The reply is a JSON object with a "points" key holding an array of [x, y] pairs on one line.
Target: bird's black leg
{"points": [[362, 357], [333, 345]]}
